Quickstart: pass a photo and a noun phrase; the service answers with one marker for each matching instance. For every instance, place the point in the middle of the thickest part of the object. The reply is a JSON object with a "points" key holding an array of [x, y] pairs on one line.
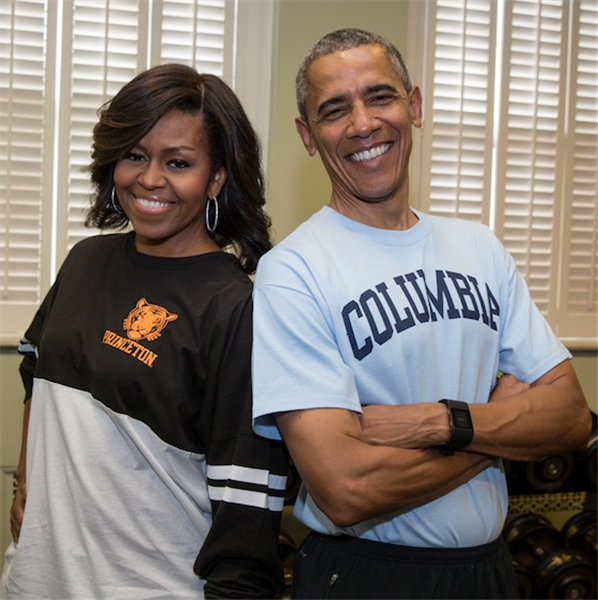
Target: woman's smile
{"points": [[163, 184]]}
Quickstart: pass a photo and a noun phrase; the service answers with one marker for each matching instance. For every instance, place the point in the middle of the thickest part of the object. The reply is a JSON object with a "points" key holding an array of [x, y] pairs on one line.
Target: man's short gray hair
{"points": [[337, 41]]}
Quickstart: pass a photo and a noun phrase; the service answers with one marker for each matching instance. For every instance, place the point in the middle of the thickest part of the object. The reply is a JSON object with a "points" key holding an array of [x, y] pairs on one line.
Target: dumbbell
{"points": [[293, 484], [579, 533], [585, 476], [544, 476], [286, 552], [558, 572], [525, 580]]}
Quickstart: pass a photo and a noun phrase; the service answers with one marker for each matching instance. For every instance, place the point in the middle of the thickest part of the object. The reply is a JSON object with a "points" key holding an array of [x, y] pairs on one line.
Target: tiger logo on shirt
{"points": [[146, 321]]}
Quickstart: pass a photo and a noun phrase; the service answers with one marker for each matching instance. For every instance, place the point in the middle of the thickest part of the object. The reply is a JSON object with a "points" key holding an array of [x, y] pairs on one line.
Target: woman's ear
{"points": [[217, 182]]}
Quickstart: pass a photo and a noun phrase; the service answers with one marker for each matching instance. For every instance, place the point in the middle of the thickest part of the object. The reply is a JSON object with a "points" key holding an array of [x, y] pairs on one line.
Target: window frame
{"points": [[576, 328], [247, 69]]}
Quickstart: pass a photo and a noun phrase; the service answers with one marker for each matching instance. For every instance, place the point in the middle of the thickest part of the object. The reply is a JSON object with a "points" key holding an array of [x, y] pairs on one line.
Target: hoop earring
{"points": [[114, 202], [211, 227]]}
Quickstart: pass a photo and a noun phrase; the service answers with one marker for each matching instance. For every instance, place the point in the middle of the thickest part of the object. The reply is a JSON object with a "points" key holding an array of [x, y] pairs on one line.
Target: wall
{"points": [[297, 184], [11, 407], [586, 367], [11, 416]]}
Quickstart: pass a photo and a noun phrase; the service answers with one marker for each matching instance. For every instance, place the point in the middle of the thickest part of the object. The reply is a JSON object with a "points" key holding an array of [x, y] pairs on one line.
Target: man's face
{"points": [[359, 120]]}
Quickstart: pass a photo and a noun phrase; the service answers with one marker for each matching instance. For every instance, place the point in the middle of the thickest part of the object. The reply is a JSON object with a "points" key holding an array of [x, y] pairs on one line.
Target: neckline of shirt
{"points": [[391, 237]]}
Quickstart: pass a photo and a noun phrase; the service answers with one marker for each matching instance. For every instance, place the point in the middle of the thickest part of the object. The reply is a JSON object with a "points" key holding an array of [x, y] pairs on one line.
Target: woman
{"points": [[141, 474]]}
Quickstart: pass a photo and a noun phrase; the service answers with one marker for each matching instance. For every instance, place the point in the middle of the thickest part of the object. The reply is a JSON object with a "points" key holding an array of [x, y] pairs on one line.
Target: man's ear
{"points": [[305, 135], [415, 102]]}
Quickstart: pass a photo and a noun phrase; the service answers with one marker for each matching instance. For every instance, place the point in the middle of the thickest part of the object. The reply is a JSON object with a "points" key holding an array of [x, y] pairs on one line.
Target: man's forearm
{"points": [[520, 422], [552, 415], [351, 480]]}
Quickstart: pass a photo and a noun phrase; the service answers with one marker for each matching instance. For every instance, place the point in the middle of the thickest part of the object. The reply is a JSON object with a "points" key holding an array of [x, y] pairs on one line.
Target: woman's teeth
{"points": [[152, 203]]}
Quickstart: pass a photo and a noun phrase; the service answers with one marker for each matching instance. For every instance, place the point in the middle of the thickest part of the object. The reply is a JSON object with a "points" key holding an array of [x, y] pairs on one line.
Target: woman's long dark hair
{"points": [[234, 145]]}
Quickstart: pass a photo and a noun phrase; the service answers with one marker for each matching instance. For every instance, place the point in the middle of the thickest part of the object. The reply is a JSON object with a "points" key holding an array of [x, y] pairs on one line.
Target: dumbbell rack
{"points": [[546, 581], [552, 503]]}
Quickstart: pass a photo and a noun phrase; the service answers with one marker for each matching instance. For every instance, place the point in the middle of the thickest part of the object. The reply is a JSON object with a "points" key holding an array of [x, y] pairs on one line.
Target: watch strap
{"points": [[461, 426]]}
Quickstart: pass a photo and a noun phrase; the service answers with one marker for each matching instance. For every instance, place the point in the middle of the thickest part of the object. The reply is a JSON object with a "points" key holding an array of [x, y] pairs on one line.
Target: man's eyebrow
{"points": [[330, 102], [373, 89], [382, 87]]}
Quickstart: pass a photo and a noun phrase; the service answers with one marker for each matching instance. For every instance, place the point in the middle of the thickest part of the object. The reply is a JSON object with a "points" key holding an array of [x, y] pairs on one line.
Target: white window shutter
{"points": [[531, 138], [458, 98], [26, 125], [103, 48], [534, 180], [578, 290], [48, 111], [194, 34]]}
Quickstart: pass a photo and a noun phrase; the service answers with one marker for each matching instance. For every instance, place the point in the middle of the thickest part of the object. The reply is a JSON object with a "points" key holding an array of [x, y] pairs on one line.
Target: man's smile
{"points": [[369, 154]]}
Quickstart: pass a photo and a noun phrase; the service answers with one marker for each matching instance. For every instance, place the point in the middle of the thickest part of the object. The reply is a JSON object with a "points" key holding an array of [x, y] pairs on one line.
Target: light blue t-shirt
{"points": [[347, 315]]}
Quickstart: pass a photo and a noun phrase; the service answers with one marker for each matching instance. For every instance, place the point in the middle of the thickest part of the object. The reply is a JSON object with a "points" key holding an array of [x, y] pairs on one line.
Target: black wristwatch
{"points": [[460, 424]]}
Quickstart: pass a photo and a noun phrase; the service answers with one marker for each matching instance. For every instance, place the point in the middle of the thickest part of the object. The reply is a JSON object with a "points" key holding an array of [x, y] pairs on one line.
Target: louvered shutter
{"points": [[194, 33], [26, 128], [530, 141], [509, 139], [578, 288], [458, 97], [103, 49], [48, 110]]}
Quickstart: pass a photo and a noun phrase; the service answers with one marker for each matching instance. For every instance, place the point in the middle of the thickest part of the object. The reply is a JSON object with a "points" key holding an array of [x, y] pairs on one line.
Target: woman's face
{"points": [[163, 184]]}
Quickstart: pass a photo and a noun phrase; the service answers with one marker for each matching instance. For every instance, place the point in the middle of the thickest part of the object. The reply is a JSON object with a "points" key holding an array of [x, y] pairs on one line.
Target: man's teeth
{"points": [[369, 154], [151, 203]]}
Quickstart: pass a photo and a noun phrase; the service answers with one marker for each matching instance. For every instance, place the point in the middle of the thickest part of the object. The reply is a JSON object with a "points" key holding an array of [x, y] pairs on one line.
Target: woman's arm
{"points": [[17, 509]]}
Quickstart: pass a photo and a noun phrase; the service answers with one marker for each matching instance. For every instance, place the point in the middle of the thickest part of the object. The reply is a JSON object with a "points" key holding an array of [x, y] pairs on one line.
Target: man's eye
{"points": [[382, 99], [334, 113]]}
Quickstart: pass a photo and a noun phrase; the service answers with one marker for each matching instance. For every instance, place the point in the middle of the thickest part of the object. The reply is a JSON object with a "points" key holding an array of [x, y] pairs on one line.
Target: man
{"points": [[366, 317]]}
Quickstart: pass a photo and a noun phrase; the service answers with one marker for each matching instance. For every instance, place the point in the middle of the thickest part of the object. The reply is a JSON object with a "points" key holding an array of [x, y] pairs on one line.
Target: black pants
{"points": [[346, 567]]}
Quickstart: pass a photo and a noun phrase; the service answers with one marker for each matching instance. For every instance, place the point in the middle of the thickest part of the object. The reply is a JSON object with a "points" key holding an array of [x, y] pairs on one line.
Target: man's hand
{"points": [[507, 386]]}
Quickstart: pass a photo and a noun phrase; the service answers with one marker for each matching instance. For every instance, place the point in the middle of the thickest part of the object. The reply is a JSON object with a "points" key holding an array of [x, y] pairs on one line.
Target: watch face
{"points": [[462, 419]]}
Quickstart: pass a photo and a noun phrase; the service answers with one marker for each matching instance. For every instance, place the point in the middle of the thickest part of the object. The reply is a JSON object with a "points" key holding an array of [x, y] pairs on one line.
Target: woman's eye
{"points": [[134, 156], [178, 163]]}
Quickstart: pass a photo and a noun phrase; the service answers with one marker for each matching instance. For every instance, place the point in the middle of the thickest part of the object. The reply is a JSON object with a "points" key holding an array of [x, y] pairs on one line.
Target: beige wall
{"points": [[11, 405], [11, 414], [586, 367], [297, 184]]}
